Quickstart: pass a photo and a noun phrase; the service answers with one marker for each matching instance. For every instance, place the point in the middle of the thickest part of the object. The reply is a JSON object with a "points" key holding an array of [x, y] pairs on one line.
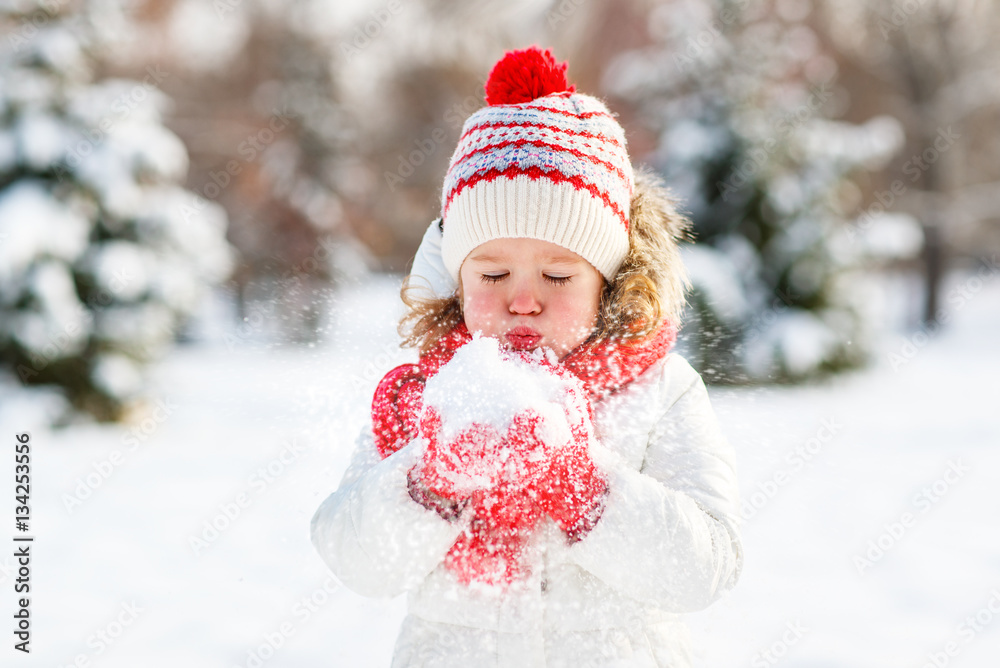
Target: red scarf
{"points": [[489, 550]]}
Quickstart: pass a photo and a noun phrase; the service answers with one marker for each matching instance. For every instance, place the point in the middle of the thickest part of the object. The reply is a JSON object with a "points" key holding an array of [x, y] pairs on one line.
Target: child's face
{"points": [[529, 293]]}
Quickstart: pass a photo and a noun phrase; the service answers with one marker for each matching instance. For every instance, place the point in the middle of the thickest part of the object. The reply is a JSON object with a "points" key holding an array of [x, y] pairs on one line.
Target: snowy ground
{"points": [[902, 471]]}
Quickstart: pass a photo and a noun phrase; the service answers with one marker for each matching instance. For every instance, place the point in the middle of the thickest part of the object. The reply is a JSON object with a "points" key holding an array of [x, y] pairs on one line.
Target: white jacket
{"points": [[668, 542]]}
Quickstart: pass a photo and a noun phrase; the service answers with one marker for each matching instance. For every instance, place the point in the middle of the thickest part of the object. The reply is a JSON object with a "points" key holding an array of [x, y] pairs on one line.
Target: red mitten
{"points": [[504, 515], [573, 494], [455, 468], [573, 490], [527, 448], [395, 408], [491, 549]]}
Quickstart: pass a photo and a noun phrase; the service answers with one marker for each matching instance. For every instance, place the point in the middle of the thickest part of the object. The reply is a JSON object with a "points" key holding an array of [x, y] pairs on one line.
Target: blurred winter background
{"points": [[206, 209]]}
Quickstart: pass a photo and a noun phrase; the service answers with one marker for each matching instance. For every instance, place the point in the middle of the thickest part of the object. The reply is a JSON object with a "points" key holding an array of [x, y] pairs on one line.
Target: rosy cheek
{"points": [[479, 310], [477, 302]]}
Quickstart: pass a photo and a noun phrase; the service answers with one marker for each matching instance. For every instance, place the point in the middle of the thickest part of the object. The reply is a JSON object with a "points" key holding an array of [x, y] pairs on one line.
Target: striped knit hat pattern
{"points": [[540, 161]]}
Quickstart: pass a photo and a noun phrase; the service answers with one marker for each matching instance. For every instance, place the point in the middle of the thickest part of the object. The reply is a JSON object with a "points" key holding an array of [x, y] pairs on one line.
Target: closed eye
{"points": [[557, 280], [493, 278]]}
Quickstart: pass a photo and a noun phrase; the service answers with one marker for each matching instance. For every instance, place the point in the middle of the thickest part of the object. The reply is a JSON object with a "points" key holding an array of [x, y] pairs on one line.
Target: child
{"points": [[549, 483]]}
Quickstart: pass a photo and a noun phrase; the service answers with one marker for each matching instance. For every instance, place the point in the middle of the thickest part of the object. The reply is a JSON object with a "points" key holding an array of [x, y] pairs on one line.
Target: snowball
{"points": [[484, 384]]}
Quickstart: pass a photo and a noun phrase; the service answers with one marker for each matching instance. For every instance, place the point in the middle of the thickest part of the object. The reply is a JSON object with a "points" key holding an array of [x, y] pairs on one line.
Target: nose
{"points": [[523, 299]]}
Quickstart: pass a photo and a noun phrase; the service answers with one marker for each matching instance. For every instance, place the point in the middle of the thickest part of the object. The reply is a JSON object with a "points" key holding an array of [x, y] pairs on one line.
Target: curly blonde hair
{"points": [[649, 287]]}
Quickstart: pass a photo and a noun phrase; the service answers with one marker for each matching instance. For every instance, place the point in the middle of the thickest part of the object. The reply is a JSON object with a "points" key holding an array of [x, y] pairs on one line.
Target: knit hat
{"points": [[541, 162]]}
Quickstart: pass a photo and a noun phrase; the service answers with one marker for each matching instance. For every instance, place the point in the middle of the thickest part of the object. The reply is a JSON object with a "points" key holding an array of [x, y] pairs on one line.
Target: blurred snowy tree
{"points": [[103, 255], [933, 64], [254, 86], [739, 96]]}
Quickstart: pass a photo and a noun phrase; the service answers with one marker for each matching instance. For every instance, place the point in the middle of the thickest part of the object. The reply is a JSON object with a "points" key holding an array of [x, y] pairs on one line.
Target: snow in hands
{"points": [[519, 383]]}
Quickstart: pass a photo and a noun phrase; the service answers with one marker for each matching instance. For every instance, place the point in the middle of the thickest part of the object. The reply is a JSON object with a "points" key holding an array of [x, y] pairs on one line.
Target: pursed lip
{"points": [[523, 338]]}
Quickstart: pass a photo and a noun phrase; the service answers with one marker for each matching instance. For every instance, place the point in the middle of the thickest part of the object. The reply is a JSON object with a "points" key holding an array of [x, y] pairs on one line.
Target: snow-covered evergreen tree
{"points": [[739, 95], [103, 256]]}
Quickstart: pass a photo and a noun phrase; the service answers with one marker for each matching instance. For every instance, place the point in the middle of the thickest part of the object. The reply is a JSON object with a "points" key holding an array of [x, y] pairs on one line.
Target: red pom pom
{"points": [[522, 76]]}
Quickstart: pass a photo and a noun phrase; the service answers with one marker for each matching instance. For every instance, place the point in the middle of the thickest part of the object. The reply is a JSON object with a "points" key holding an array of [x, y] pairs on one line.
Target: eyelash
{"points": [[555, 280]]}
